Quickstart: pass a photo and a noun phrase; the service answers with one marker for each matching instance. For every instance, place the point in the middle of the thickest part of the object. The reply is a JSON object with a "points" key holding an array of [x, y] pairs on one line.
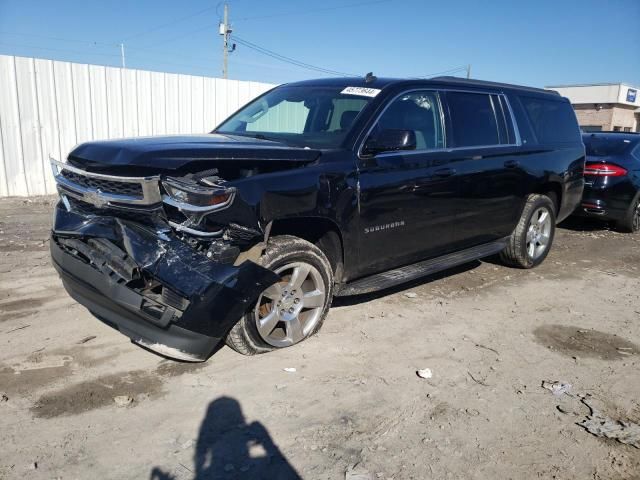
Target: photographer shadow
{"points": [[229, 448]]}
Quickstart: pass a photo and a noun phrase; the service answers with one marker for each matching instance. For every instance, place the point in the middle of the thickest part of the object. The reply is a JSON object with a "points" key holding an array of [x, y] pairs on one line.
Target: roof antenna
{"points": [[370, 78]]}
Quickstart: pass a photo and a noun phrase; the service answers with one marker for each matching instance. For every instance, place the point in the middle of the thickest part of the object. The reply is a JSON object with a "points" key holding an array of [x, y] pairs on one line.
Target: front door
{"points": [[405, 200]]}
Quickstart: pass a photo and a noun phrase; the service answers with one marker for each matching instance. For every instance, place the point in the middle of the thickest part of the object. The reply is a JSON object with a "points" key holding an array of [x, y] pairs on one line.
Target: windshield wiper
{"points": [[258, 136], [261, 136]]}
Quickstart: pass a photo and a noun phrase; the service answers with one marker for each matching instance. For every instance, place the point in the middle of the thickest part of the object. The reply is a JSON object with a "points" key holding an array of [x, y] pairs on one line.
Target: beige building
{"points": [[604, 107]]}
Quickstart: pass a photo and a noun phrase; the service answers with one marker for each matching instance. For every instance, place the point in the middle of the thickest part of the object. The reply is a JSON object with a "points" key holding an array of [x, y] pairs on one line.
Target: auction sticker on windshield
{"points": [[362, 91]]}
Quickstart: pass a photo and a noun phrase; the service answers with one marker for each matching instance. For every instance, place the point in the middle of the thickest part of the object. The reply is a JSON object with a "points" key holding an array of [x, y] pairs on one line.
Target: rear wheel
{"points": [[531, 240], [292, 309], [631, 222]]}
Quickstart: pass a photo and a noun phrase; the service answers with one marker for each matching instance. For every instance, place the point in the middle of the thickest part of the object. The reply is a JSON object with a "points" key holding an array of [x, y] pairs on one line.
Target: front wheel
{"points": [[531, 240], [291, 310]]}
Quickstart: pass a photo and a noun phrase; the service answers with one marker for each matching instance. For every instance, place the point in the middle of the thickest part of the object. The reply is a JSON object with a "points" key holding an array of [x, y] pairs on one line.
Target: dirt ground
{"points": [[354, 407]]}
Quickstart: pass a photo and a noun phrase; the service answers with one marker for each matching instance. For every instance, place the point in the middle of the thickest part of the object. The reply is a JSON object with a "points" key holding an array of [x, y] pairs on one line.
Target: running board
{"points": [[397, 276]]}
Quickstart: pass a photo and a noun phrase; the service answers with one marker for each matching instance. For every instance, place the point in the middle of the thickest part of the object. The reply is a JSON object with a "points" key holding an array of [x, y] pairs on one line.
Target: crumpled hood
{"points": [[169, 153]]}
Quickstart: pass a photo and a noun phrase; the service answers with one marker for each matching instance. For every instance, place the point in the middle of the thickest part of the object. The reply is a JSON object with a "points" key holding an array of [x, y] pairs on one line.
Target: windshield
{"points": [[606, 146], [318, 117]]}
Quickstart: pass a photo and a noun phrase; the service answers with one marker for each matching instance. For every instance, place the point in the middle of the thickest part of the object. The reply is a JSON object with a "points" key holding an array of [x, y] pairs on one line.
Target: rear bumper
{"points": [[610, 202], [208, 298], [596, 208]]}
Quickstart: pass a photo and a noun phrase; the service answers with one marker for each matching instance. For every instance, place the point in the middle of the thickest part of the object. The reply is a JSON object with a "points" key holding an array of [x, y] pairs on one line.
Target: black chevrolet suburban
{"points": [[314, 189]]}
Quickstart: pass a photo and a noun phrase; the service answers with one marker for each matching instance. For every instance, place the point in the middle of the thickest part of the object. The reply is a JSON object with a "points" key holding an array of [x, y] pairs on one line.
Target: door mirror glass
{"points": [[390, 141]]}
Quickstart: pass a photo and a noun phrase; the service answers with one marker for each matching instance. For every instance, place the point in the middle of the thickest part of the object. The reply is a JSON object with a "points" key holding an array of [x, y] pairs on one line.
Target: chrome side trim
{"points": [[149, 186], [513, 120], [441, 150]]}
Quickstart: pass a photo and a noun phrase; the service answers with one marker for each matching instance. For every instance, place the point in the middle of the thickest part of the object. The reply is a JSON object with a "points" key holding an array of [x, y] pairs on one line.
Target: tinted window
{"points": [[599, 146], [417, 111], [552, 121], [473, 120]]}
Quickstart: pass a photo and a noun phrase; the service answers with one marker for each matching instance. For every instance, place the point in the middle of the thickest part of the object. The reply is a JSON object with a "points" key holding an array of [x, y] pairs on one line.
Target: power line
{"points": [[188, 65], [93, 43], [290, 60], [156, 51], [173, 22], [445, 72], [58, 49], [186, 34], [217, 7], [131, 51], [314, 10], [59, 39]]}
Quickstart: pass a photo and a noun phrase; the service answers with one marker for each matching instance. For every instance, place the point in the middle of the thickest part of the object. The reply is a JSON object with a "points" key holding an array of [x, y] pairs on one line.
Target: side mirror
{"points": [[390, 141]]}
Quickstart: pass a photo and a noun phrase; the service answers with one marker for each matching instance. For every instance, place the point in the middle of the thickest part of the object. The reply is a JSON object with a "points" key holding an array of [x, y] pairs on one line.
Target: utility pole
{"points": [[469, 71], [225, 30], [124, 65]]}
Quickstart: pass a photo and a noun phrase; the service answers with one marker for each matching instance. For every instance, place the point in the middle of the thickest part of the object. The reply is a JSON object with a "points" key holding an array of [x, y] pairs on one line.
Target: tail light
{"points": [[604, 170]]}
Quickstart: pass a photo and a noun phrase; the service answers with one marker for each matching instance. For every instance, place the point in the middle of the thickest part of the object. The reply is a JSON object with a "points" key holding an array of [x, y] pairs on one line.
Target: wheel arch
{"points": [[321, 231], [553, 190]]}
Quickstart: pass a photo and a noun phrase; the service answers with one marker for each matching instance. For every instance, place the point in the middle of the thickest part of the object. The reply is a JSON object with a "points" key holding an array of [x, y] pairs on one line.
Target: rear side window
{"points": [[552, 121], [473, 120]]}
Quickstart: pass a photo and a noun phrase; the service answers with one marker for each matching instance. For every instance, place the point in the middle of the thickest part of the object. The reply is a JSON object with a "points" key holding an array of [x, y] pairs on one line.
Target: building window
{"points": [[617, 129], [627, 129], [591, 128]]}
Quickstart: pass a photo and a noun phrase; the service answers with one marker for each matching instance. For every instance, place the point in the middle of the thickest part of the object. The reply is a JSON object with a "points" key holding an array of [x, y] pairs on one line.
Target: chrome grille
{"points": [[87, 209], [103, 190], [106, 186]]}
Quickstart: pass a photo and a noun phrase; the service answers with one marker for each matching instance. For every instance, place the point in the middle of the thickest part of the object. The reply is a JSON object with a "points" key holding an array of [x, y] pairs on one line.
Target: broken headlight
{"points": [[201, 196]]}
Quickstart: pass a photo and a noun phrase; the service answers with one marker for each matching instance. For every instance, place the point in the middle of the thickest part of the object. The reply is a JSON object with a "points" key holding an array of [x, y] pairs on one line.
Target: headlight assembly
{"points": [[196, 197]]}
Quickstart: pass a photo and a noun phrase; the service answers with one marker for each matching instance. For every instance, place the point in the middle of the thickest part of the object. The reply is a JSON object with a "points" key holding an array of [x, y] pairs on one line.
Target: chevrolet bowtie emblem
{"points": [[95, 198]]}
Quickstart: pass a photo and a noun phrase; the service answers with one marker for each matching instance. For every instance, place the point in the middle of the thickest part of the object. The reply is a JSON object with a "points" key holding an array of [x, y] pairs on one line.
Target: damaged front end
{"points": [[147, 256]]}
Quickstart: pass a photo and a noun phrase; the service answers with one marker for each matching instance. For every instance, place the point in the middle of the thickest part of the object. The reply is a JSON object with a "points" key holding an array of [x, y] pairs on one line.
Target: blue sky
{"points": [[535, 43]]}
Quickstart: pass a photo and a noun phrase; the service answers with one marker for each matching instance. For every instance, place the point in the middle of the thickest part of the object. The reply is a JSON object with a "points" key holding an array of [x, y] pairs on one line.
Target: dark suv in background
{"points": [[315, 189], [612, 179]]}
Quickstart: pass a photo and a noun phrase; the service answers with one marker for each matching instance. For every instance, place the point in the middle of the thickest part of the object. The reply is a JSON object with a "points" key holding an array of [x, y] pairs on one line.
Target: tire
{"points": [[631, 222], [519, 251], [280, 304]]}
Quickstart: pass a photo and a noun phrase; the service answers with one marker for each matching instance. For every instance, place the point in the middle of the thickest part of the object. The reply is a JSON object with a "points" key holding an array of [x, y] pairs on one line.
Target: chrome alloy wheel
{"points": [[288, 311], [538, 233], [636, 218]]}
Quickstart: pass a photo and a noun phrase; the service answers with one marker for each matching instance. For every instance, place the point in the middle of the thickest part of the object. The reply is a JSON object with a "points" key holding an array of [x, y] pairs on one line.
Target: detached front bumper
{"points": [[194, 302]]}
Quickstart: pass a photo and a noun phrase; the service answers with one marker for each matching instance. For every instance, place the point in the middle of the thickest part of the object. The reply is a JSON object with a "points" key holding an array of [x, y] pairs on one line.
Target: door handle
{"points": [[444, 172], [512, 163]]}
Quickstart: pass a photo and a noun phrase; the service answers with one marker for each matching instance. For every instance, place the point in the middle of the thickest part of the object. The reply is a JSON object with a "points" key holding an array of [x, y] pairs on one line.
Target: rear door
{"points": [[485, 149], [406, 197]]}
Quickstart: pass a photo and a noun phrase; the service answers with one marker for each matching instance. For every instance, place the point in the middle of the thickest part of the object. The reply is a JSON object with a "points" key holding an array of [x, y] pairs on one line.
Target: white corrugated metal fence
{"points": [[47, 107]]}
